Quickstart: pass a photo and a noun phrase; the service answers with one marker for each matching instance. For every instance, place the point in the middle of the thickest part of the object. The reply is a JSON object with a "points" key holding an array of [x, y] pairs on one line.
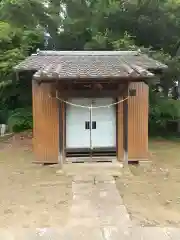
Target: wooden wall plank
{"points": [[137, 124], [46, 124]]}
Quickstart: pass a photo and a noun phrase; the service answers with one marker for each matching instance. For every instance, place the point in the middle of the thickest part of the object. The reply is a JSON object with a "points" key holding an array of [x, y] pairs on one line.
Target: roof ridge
{"points": [[87, 53]]}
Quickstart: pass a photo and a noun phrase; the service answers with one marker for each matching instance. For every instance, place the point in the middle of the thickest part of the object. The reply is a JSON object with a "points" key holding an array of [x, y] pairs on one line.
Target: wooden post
{"points": [[125, 127], [61, 145]]}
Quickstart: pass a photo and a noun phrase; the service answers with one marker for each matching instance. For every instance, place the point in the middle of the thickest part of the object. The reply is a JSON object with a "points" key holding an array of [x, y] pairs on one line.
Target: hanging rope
{"points": [[89, 107]]}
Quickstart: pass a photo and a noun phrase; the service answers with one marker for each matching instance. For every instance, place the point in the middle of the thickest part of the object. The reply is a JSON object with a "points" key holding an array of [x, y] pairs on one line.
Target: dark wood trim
{"points": [[125, 126], [116, 109], [87, 152], [105, 149], [78, 150], [90, 93], [80, 90], [119, 79], [100, 149]]}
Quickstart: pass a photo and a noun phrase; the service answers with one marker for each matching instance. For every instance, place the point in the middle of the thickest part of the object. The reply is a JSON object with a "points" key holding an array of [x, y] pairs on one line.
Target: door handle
{"points": [[87, 125], [93, 125]]}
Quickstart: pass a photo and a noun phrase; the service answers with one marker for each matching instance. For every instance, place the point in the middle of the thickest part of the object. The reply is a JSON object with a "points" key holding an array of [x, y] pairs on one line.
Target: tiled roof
{"points": [[90, 64]]}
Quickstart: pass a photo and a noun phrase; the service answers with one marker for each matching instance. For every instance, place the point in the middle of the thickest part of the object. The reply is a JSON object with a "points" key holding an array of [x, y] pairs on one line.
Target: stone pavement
{"points": [[97, 212]]}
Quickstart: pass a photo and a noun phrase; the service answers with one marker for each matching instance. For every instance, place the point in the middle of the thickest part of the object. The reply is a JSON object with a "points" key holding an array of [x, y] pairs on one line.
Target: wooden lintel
{"points": [[89, 93], [49, 79]]}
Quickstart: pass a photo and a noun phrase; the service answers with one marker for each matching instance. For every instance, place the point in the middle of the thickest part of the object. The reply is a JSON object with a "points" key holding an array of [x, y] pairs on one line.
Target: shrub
{"points": [[163, 116], [20, 120]]}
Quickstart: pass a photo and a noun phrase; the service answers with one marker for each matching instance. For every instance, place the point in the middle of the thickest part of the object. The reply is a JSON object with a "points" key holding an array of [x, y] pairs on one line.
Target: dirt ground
{"points": [[30, 195], [35, 196], [152, 192]]}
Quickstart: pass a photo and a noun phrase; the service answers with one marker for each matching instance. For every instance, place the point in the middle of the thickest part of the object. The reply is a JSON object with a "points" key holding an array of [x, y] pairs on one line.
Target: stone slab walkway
{"points": [[97, 212], [96, 201]]}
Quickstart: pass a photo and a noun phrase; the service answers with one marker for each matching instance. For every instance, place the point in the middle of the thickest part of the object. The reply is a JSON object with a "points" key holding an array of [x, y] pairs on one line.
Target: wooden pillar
{"points": [[120, 129], [125, 126], [61, 133], [46, 124], [137, 124]]}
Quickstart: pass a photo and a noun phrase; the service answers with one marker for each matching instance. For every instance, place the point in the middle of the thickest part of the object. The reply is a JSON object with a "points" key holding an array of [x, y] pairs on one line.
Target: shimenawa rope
{"points": [[90, 107]]}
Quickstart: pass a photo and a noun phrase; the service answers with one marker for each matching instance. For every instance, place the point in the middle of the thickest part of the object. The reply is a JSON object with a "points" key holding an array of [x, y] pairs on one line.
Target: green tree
{"points": [[152, 26]]}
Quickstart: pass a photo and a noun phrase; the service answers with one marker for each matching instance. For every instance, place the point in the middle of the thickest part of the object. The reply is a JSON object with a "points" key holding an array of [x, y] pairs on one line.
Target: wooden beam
{"points": [[50, 78], [90, 93]]}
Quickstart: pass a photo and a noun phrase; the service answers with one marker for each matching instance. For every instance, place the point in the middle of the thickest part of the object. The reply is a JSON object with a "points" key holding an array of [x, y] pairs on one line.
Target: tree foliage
{"points": [[152, 26]]}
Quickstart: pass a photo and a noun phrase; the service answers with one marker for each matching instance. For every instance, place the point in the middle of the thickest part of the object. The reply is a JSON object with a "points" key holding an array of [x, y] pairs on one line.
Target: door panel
{"points": [[95, 130], [103, 124], [78, 124]]}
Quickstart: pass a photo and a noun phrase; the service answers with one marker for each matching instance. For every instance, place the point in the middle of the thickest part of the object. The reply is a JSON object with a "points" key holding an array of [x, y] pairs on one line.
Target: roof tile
{"points": [[90, 64]]}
